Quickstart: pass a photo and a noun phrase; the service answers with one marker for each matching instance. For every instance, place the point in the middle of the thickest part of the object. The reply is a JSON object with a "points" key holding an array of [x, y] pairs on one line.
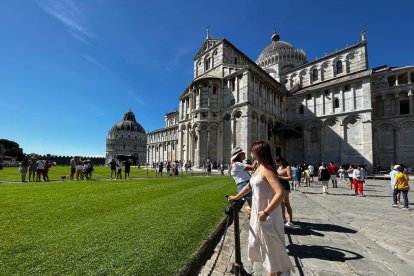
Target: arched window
{"points": [[235, 60], [207, 63], [314, 74], [314, 135], [339, 67], [301, 109], [336, 103]]}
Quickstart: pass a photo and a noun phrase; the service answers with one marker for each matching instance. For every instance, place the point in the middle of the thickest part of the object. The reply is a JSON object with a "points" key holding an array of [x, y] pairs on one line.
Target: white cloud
{"points": [[68, 14]]}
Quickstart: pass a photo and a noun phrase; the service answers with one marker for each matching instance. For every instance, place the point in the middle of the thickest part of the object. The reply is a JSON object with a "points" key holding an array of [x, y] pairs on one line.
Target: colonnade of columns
{"points": [[165, 151]]}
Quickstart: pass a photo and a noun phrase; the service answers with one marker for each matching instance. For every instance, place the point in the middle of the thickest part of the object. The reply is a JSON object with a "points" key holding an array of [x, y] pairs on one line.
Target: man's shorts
{"points": [[333, 177]]}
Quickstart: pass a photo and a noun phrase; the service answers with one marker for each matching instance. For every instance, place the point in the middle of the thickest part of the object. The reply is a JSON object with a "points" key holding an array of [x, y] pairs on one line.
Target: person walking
{"points": [[350, 172], [324, 176], [295, 177], [358, 180], [311, 173], [393, 173], [266, 236], [239, 172], [333, 171], [341, 173], [24, 166], [401, 186], [284, 172]]}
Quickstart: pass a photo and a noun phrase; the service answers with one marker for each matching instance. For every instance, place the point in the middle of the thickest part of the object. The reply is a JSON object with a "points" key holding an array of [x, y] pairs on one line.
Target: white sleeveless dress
{"points": [[267, 238]]}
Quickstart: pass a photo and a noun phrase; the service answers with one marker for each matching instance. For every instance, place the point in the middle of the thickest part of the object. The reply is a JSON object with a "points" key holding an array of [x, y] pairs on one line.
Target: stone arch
{"points": [[389, 125], [352, 120], [330, 122], [236, 113], [213, 126], [313, 123], [253, 114], [384, 137], [409, 124]]}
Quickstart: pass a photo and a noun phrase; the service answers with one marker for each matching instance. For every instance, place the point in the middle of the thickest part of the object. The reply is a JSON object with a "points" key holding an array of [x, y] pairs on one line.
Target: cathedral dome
{"points": [[279, 51], [128, 123]]}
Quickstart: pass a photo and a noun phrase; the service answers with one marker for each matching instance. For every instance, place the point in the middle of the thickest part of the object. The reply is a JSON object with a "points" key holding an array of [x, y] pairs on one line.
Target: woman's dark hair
{"points": [[263, 153], [283, 160]]}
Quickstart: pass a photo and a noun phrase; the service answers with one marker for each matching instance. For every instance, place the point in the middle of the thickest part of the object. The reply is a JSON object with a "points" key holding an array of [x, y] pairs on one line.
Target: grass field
{"points": [[129, 227], [56, 172]]}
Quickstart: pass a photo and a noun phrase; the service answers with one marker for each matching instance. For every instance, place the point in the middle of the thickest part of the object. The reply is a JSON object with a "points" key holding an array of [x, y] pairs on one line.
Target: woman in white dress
{"points": [[267, 234]]}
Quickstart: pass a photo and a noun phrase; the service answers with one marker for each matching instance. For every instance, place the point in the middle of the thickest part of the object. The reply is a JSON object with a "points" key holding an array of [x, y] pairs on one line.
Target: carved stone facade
{"points": [[393, 114], [332, 109], [162, 144]]}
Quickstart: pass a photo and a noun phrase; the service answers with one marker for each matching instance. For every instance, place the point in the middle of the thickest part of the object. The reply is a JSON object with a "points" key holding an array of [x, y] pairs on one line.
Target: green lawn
{"points": [[131, 227], [56, 172]]}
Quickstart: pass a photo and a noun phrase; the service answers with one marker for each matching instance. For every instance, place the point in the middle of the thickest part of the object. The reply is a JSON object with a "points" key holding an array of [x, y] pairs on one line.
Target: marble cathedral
{"points": [[331, 109]]}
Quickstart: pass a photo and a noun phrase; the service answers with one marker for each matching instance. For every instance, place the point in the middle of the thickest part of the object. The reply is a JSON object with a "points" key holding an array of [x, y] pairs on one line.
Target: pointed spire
{"points": [[208, 32]]}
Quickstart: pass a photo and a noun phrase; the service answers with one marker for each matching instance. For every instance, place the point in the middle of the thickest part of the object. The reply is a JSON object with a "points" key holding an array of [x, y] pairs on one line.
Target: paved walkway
{"points": [[339, 234]]}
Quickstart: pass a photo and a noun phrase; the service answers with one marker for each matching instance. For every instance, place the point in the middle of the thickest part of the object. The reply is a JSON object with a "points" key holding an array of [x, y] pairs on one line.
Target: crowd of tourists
{"points": [[265, 184], [171, 168], [81, 169], [38, 169], [116, 166]]}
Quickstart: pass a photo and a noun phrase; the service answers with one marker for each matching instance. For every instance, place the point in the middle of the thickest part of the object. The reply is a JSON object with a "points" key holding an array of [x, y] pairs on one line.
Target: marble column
{"points": [[397, 104], [198, 156], [353, 97], [208, 144], [411, 101], [396, 148]]}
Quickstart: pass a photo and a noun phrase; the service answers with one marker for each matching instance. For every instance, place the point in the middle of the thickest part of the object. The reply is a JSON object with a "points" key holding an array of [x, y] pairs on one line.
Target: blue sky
{"points": [[70, 69]]}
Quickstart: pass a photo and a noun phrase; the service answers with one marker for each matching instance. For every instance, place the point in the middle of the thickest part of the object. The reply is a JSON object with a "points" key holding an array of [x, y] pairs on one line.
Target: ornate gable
{"points": [[208, 44]]}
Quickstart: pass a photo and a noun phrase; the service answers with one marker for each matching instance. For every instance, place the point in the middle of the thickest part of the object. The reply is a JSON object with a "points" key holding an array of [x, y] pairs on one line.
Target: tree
{"points": [[12, 149]]}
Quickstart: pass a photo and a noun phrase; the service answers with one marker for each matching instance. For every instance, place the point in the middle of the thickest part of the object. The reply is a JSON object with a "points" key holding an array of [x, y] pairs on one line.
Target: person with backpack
{"points": [[324, 176]]}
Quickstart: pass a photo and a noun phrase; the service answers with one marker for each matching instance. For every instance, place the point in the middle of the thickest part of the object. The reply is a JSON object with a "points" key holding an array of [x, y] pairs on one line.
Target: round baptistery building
{"points": [[127, 138]]}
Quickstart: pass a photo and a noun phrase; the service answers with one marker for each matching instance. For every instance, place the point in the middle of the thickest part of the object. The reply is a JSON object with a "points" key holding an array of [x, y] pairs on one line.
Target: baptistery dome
{"points": [[129, 123], [282, 54], [127, 138]]}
